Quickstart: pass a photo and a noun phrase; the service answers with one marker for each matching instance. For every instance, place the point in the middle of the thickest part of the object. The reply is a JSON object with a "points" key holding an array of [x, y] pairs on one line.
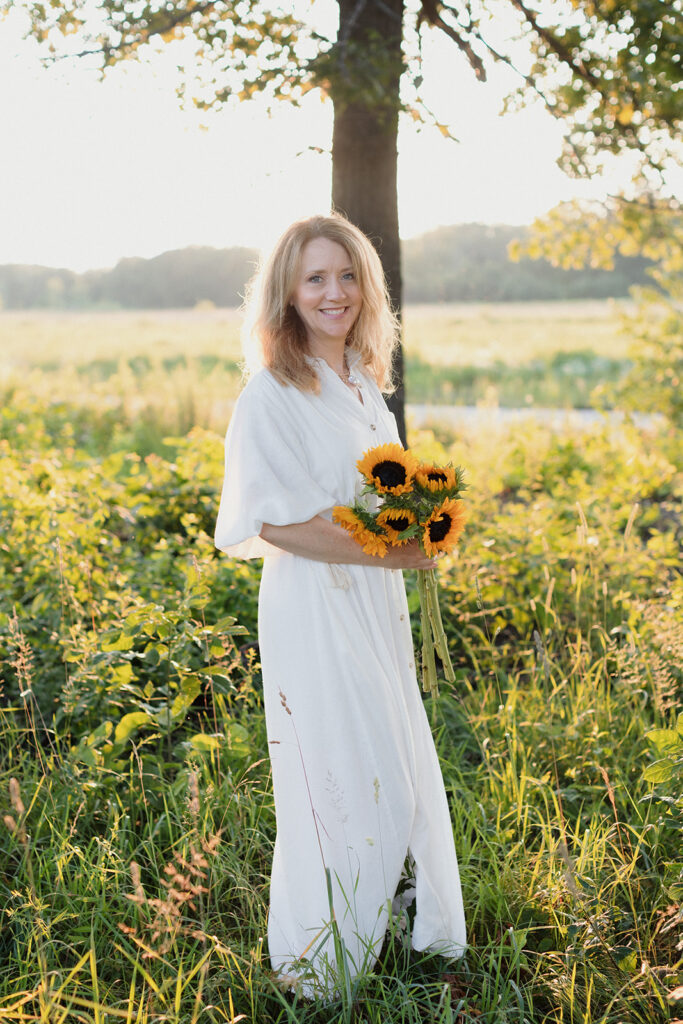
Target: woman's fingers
{"points": [[410, 556]]}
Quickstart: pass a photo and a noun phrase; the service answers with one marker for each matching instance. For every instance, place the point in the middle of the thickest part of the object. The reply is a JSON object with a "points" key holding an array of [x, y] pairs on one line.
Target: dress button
{"points": [[402, 617], [373, 427]]}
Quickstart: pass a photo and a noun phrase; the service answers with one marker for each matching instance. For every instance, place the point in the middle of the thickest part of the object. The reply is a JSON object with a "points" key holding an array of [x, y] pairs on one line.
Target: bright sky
{"points": [[92, 171]]}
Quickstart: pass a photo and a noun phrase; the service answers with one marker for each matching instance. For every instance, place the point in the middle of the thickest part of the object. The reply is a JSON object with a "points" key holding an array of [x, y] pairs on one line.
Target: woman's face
{"points": [[327, 296]]}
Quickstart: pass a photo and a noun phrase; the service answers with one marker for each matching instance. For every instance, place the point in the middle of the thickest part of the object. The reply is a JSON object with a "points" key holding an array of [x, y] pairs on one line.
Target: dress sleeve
{"points": [[266, 477]]}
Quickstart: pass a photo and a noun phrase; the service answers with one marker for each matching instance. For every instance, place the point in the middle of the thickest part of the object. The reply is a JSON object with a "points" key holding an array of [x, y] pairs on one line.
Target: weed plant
{"points": [[138, 821]]}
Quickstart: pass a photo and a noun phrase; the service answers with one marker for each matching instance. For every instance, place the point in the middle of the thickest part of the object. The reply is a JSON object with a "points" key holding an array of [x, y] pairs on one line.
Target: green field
{"points": [[153, 373], [464, 334], [134, 784]]}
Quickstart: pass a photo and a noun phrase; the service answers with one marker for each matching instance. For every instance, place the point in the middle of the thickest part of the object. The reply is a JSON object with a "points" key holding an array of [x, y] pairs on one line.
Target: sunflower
{"points": [[372, 543], [388, 469], [443, 528], [394, 521], [436, 478], [347, 518]]}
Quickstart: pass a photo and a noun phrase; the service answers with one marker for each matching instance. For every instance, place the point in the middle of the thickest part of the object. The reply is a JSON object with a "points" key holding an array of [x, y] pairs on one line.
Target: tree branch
{"points": [[556, 46], [431, 14]]}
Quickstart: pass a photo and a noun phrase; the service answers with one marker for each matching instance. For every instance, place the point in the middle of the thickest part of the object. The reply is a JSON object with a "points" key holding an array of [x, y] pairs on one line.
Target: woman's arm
{"points": [[324, 541]]}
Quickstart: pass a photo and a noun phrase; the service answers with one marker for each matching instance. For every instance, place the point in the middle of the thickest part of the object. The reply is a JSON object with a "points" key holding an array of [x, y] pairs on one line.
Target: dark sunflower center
{"points": [[437, 475], [390, 474], [400, 523], [438, 528]]}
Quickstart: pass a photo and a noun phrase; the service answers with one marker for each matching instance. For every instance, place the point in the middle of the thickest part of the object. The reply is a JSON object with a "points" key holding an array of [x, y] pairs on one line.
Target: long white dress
{"points": [[356, 778]]}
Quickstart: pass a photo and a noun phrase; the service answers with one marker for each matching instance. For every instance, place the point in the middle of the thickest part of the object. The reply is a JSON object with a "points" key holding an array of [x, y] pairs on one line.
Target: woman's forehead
{"points": [[323, 252]]}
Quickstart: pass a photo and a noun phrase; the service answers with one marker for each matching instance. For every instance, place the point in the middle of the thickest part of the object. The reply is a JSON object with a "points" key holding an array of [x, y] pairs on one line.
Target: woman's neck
{"points": [[333, 354]]}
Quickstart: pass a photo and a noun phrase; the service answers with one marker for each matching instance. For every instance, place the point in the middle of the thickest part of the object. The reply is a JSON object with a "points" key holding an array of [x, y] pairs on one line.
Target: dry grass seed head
{"points": [[15, 797], [193, 803], [168, 919]]}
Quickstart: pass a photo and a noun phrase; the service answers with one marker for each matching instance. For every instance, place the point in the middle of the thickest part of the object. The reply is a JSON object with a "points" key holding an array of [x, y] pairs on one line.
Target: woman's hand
{"points": [[409, 556]]}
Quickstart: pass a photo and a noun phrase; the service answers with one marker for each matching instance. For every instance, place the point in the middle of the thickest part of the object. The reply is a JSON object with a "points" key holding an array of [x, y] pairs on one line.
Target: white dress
{"points": [[356, 778]]}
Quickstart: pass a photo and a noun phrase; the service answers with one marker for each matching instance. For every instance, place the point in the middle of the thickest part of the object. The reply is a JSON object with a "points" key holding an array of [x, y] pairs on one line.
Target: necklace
{"points": [[347, 377]]}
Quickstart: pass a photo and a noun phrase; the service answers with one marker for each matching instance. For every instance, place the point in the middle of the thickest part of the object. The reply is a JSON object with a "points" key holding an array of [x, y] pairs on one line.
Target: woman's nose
{"points": [[335, 288]]}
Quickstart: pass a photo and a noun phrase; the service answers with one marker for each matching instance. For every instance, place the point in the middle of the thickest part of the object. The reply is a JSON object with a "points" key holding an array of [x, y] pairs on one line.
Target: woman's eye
{"points": [[350, 276], [315, 278]]}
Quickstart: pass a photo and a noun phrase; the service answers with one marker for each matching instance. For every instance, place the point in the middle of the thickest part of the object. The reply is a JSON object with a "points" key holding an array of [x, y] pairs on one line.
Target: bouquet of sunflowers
{"points": [[415, 500]]}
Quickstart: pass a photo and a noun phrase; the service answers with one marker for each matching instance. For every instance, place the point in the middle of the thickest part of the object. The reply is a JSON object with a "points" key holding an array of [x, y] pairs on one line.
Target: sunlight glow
{"points": [[93, 171]]}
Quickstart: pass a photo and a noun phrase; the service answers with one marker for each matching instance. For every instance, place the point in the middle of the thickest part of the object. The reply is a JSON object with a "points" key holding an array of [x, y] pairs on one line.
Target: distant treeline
{"points": [[466, 262]]}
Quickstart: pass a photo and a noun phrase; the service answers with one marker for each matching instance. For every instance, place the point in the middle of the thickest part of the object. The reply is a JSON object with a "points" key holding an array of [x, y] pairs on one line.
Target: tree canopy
{"points": [[610, 68]]}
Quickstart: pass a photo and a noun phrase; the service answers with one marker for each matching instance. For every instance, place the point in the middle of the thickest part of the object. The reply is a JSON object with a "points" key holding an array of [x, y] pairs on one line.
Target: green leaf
{"points": [[666, 741], [122, 674], [130, 724], [238, 738], [102, 732], [189, 690], [629, 962], [121, 643], [39, 602], [200, 741], [660, 771], [88, 755], [228, 624]]}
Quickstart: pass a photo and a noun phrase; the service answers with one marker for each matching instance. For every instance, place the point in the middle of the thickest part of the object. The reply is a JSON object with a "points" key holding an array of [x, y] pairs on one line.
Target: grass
{"points": [[137, 813], [512, 333]]}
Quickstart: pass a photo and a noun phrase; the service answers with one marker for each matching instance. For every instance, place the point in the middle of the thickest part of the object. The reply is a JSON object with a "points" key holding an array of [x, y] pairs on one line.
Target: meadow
{"points": [[158, 372], [138, 820]]}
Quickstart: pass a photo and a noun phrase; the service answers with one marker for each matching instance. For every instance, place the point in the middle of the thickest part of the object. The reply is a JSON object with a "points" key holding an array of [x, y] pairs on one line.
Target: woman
{"points": [[356, 778]]}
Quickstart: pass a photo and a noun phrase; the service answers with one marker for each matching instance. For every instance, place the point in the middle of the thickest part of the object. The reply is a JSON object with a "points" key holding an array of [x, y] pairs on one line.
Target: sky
{"points": [[92, 171]]}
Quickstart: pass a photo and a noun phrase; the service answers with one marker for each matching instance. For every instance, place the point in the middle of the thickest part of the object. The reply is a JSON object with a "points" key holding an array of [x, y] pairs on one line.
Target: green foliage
{"points": [[471, 263], [574, 235], [578, 234], [668, 743], [655, 331], [138, 832], [612, 70], [236, 48], [561, 380], [96, 546]]}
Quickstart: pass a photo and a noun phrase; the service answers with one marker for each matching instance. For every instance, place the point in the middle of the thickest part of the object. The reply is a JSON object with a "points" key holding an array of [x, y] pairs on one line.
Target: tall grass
{"points": [[138, 821]]}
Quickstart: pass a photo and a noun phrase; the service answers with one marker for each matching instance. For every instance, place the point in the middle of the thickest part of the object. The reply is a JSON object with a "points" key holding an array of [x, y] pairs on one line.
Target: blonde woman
{"points": [[356, 778]]}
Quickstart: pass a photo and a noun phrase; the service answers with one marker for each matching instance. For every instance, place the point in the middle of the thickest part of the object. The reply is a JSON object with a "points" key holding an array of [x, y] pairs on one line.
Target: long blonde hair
{"points": [[274, 335]]}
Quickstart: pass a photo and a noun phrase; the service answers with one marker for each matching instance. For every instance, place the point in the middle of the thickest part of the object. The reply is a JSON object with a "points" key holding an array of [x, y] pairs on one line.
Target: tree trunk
{"points": [[368, 64]]}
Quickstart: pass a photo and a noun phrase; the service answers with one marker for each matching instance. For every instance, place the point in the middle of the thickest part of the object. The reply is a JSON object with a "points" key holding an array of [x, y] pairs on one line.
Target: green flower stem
{"points": [[429, 681], [438, 632]]}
